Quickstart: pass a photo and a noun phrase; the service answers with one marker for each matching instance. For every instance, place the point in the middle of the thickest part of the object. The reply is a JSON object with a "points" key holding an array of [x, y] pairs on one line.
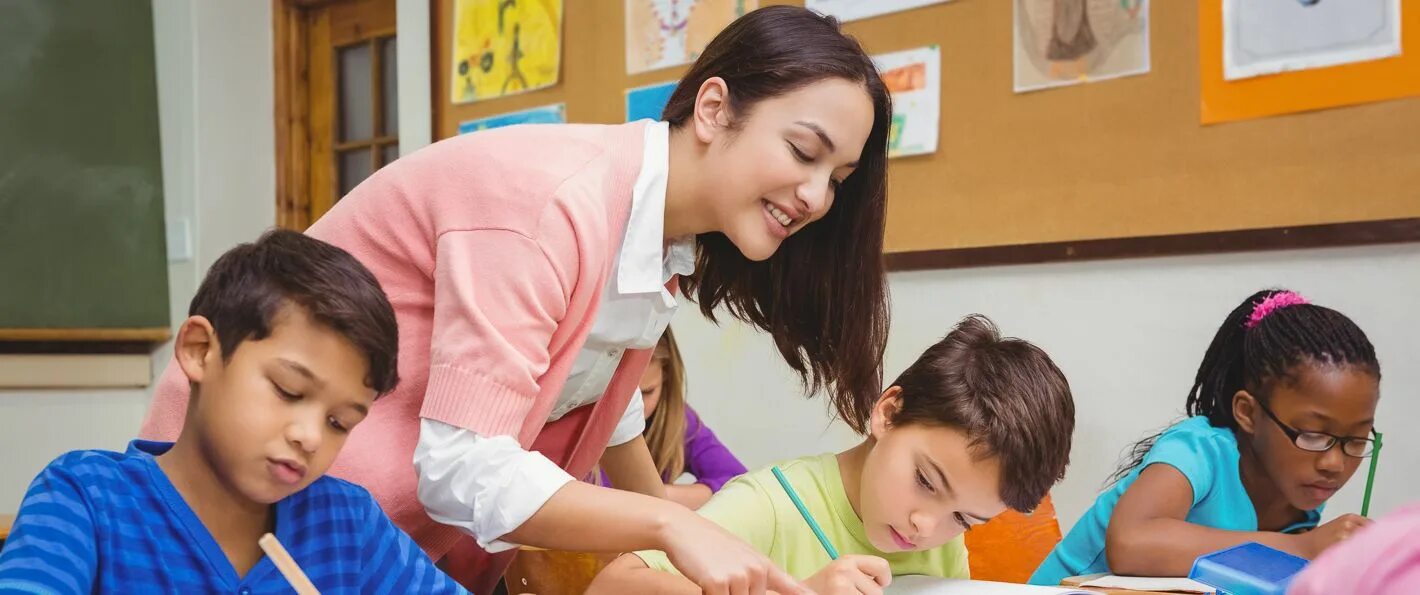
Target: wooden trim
{"points": [[76, 371], [377, 99], [378, 141], [1390, 231], [289, 32], [152, 335], [365, 37], [324, 185]]}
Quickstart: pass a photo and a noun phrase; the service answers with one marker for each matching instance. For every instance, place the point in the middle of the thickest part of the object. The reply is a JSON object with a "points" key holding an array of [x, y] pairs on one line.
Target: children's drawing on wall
{"points": [[1271, 36], [504, 47], [649, 101], [664, 33], [1066, 42], [914, 79]]}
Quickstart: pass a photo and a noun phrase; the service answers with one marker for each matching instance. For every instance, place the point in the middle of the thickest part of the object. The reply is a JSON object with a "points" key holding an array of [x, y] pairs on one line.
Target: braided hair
{"points": [[1260, 344]]}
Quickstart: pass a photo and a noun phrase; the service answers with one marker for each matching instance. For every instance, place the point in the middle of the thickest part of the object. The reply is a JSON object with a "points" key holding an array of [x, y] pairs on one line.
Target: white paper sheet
{"points": [[914, 77], [923, 585], [1144, 583], [852, 10], [1270, 36]]}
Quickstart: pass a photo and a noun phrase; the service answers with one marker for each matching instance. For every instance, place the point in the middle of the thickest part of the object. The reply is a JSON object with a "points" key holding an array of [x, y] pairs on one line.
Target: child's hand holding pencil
{"points": [[851, 575]]}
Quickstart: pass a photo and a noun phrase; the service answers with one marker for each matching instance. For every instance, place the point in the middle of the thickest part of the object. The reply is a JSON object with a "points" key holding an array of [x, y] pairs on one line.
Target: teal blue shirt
{"points": [[1207, 457]]}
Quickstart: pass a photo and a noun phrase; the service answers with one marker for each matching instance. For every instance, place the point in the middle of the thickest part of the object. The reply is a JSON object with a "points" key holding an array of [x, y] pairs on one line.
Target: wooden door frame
{"points": [[304, 133], [293, 118]]}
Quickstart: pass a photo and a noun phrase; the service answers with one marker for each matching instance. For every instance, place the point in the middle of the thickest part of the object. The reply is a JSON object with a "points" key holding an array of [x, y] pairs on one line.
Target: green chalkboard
{"points": [[81, 190]]}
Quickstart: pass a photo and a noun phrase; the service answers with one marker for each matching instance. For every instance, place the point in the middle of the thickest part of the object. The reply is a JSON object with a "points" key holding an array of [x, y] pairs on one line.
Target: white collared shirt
{"points": [[488, 486]]}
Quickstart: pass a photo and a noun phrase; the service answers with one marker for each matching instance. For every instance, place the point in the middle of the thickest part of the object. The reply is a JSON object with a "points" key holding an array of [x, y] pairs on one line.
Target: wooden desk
{"points": [[1075, 581]]}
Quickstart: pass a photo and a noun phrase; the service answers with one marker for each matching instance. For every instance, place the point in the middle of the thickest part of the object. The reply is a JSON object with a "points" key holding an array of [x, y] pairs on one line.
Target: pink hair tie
{"points": [[1273, 303]]}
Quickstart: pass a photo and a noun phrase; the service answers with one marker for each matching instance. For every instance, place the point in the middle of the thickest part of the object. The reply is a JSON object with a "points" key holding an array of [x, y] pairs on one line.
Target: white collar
{"points": [[647, 260]]}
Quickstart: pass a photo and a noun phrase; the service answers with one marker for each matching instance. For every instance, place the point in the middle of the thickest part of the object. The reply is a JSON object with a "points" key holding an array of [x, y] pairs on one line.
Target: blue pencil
{"points": [[808, 518]]}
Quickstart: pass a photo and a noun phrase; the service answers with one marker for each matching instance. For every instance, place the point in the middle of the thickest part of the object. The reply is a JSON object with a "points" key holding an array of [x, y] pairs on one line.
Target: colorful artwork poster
{"points": [[504, 47], [1068, 42], [648, 102], [665, 33], [547, 114], [914, 77], [1271, 36], [1360, 69], [852, 10]]}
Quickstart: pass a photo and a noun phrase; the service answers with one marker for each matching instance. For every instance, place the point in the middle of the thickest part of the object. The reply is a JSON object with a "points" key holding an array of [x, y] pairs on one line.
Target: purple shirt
{"points": [[705, 456]]}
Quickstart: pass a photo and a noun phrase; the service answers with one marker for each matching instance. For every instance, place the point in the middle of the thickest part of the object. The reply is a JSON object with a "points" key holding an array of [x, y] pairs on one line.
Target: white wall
{"points": [[1128, 334], [215, 109]]}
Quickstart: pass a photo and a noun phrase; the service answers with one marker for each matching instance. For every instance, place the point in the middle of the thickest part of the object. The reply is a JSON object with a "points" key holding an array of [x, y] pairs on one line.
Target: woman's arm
{"points": [[584, 517]]}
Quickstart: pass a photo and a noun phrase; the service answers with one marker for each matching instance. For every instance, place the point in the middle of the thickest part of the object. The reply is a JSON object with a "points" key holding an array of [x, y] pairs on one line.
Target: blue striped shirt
{"points": [[98, 521]]}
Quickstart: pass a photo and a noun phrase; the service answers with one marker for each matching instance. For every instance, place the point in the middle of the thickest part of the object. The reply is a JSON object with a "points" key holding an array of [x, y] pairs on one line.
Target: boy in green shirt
{"points": [[976, 425]]}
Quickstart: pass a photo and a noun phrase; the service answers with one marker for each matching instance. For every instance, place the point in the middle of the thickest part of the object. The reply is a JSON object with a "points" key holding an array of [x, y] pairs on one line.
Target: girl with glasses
{"points": [[1283, 413]]}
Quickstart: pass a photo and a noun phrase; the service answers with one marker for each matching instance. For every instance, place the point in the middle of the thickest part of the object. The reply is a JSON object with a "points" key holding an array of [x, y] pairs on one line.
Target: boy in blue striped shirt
{"points": [[289, 341]]}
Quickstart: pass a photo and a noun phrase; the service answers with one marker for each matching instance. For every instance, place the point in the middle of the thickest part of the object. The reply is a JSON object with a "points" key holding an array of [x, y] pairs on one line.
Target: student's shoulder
{"points": [[1197, 434], [812, 469], [94, 466], [1197, 449], [809, 476]]}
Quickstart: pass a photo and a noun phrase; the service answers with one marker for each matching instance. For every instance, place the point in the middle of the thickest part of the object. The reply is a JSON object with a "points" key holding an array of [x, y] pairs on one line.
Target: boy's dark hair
{"points": [[1256, 357], [1006, 394], [249, 284]]}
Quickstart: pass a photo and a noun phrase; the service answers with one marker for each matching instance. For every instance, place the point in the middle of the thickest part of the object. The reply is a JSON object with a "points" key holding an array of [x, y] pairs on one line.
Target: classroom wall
{"points": [[1128, 334], [215, 109]]}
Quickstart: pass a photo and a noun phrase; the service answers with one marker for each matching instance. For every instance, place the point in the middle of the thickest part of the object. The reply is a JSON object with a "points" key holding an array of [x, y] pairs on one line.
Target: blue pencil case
{"points": [[1247, 569]]}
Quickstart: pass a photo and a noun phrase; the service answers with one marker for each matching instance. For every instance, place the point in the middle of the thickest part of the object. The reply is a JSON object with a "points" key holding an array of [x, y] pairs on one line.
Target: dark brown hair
{"points": [[250, 284], [823, 294], [1006, 395]]}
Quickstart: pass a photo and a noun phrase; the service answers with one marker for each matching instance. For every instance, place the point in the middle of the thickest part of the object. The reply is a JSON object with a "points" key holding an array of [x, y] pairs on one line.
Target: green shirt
{"points": [[755, 508]]}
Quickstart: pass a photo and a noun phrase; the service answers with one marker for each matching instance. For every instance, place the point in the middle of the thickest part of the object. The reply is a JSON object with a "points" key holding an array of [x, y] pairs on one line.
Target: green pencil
{"points": [[822, 539], [1371, 477]]}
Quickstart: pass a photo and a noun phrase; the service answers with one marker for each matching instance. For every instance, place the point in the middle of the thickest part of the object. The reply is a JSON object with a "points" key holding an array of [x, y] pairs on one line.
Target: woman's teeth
{"points": [[779, 215]]}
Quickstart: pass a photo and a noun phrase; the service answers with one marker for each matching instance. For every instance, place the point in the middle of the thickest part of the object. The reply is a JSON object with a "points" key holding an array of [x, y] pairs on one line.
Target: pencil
{"points": [[287, 565], [1371, 477], [808, 518]]}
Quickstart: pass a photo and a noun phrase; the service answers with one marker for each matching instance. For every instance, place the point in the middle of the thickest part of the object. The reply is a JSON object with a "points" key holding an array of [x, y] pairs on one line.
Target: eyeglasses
{"points": [[1322, 441]]}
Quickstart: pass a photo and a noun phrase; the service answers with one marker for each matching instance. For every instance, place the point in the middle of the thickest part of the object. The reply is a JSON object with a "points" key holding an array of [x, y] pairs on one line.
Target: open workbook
{"points": [[924, 585]]}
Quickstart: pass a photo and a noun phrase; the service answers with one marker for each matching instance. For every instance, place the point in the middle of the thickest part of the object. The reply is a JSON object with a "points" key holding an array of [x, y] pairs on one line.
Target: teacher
{"points": [[533, 268]]}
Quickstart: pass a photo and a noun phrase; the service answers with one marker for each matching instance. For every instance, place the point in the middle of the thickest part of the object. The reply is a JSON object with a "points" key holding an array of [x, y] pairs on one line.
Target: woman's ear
{"points": [[197, 348], [884, 411], [712, 109], [1245, 409]]}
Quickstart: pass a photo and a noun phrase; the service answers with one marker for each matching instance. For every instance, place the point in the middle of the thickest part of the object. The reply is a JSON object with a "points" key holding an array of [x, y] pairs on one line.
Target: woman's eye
{"points": [[799, 154]]}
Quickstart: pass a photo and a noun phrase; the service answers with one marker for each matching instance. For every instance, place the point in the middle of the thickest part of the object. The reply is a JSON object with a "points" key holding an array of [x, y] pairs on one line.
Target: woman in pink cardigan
{"points": [[532, 269]]}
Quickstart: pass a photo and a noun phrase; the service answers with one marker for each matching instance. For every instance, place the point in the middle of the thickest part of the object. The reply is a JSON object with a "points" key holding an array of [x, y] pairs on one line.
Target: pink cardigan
{"points": [[1382, 559], [493, 248]]}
